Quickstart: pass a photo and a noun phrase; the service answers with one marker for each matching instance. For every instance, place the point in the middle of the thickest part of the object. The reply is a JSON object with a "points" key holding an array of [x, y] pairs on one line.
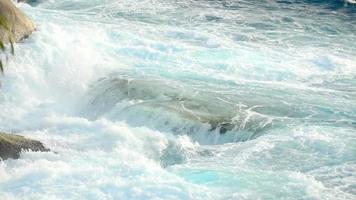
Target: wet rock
{"points": [[15, 25], [12, 145]]}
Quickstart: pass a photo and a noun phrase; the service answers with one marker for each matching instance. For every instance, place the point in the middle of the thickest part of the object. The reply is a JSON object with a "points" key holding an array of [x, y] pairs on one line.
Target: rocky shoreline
{"points": [[15, 26]]}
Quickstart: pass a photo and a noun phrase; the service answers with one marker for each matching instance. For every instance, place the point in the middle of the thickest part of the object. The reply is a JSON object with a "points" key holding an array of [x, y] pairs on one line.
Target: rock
{"points": [[18, 25], [11, 146], [27, 1], [351, 1]]}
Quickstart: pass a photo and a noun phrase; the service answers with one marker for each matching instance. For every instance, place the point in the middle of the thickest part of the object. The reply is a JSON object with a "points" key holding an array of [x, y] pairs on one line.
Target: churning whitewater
{"points": [[183, 99]]}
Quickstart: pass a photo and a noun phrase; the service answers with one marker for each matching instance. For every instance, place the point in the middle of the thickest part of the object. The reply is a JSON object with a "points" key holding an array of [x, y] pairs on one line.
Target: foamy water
{"points": [[183, 99]]}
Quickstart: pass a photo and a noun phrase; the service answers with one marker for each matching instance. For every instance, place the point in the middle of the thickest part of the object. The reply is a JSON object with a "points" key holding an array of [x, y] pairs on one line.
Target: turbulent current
{"points": [[183, 99]]}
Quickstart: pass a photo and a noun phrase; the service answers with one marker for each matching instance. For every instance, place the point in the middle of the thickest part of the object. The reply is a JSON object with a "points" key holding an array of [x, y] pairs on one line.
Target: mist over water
{"points": [[183, 99]]}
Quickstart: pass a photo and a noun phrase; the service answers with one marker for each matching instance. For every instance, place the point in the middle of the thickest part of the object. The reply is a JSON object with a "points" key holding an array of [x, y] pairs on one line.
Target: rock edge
{"points": [[18, 25], [12, 145]]}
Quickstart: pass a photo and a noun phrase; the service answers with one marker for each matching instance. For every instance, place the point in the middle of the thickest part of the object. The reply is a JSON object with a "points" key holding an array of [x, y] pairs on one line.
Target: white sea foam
{"points": [[183, 100]]}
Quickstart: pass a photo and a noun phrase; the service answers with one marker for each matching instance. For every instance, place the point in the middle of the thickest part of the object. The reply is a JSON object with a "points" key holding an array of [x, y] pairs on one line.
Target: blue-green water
{"points": [[184, 99]]}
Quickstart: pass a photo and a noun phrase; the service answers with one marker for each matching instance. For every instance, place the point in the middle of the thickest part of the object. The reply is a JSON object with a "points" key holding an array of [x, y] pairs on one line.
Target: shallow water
{"points": [[184, 99]]}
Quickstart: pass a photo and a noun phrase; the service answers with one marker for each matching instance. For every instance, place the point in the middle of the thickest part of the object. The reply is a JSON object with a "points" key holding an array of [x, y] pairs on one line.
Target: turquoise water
{"points": [[184, 99]]}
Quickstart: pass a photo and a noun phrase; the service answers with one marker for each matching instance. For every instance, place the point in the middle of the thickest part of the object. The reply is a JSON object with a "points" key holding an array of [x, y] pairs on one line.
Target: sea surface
{"points": [[183, 99]]}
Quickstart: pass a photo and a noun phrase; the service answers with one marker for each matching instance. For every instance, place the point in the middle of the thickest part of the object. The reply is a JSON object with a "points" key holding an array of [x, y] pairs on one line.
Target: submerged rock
{"points": [[180, 109], [15, 24], [11, 145]]}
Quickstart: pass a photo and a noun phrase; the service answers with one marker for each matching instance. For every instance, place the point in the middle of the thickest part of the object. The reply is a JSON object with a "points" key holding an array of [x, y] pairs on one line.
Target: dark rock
{"points": [[12, 145]]}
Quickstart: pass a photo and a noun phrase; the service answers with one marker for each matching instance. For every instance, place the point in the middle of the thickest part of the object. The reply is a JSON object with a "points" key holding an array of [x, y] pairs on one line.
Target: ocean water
{"points": [[183, 99]]}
